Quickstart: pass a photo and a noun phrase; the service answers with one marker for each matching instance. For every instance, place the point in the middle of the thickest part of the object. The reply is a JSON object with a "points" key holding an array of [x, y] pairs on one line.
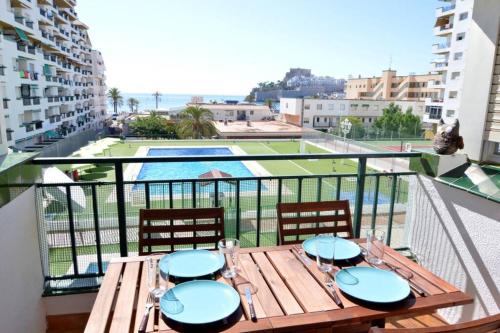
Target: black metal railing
{"points": [[83, 224]]}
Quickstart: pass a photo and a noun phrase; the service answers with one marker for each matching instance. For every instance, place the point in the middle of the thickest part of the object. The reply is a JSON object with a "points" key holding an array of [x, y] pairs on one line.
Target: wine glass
{"points": [[229, 249]]}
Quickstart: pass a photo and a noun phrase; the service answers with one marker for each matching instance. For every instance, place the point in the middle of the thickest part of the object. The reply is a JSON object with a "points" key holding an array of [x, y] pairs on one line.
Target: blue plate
{"points": [[204, 302], [344, 249], [374, 285], [191, 263]]}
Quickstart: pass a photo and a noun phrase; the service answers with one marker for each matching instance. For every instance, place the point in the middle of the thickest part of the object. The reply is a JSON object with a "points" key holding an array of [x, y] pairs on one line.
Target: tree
{"points": [[153, 125], [396, 123], [133, 104], [115, 98], [357, 129], [196, 123], [157, 96], [269, 103], [250, 98]]}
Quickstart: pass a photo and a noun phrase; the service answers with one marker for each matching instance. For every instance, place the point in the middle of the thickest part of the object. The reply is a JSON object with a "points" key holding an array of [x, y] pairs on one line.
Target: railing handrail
{"points": [[211, 158]]}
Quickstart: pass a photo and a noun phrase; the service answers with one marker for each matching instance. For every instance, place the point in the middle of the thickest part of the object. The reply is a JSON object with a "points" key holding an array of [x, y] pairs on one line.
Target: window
{"points": [[369, 120], [317, 119], [463, 16], [496, 151], [458, 56], [319, 107], [461, 36], [251, 112], [453, 94], [433, 111], [455, 75], [331, 106], [450, 113], [306, 120], [307, 107]]}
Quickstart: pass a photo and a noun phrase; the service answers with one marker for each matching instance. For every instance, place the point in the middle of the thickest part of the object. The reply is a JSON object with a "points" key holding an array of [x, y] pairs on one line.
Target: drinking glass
{"points": [[375, 246], [325, 252], [154, 286], [229, 247], [171, 303]]}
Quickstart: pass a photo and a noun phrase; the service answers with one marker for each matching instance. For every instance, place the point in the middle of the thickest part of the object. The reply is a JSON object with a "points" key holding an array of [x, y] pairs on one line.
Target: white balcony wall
{"points": [[21, 278], [455, 234]]}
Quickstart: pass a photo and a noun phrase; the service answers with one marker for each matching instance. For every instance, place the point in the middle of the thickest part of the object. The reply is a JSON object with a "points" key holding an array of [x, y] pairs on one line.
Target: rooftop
{"points": [[260, 128]]}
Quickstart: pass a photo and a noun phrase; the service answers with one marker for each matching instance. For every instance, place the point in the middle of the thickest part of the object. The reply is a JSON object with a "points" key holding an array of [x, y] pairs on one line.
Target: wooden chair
{"points": [[488, 324], [163, 228], [313, 218]]}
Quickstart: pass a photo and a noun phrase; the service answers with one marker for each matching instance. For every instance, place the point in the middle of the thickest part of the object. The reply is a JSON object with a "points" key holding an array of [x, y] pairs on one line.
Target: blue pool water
{"points": [[192, 170]]}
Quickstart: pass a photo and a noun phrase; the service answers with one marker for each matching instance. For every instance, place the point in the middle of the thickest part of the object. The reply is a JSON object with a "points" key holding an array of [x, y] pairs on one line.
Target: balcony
{"points": [[441, 48], [445, 10], [78, 228], [443, 30]]}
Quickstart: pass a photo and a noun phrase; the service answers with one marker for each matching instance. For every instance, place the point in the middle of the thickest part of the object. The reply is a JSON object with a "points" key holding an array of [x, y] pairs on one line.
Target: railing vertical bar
{"points": [[238, 217], [171, 205], [148, 206], [337, 196], [216, 190], [259, 199], [358, 208], [375, 202], [120, 203], [318, 195], [280, 198], [74, 255], [193, 197], [95, 210], [391, 208], [299, 200]]}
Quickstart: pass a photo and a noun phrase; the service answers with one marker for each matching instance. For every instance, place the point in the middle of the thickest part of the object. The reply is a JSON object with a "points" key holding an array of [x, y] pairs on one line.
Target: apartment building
{"points": [[52, 82], [391, 86], [326, 113], [468, 62]]}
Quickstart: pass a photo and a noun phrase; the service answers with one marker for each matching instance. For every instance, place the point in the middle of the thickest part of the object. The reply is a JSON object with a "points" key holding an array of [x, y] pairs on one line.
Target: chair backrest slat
{"points": [[327, 216], [484, 325], [204, 226]]}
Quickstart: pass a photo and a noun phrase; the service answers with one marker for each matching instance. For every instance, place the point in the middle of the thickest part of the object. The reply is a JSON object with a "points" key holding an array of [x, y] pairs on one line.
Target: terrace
{"points": [[67, 233]]}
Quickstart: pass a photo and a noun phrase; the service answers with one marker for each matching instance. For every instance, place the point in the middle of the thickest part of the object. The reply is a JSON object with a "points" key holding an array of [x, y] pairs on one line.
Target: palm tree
{"points": [[196, 123], [133, 104], [115, 98], [157, 96]]}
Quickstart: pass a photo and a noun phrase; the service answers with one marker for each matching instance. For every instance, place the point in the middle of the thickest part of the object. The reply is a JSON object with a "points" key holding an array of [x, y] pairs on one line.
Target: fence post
{"points": [[360, 188], [120, 205]]}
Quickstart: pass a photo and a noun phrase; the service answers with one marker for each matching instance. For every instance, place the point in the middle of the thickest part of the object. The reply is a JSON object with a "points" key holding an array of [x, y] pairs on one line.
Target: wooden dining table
{"points": [[291, 296]]}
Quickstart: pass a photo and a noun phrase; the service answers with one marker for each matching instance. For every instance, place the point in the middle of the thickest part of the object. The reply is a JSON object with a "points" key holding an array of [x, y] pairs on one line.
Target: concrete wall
{"points": [[21, 278], [455, 234]]}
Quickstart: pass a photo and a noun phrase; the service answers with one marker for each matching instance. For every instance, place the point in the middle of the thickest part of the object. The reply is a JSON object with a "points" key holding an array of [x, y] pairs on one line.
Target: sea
{"points": [[148, 102]]}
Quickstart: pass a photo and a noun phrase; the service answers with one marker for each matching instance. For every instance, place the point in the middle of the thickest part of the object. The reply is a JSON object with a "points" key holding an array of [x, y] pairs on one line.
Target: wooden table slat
{"points": [[264, 301], [124, 307], [305, 288], [319, 276], [102, 306], [141, 301], [283, 296]]}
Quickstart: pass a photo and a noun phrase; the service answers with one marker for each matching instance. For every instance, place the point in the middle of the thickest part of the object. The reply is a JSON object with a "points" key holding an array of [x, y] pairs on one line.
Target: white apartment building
{"points": [[51, 81], [467, 57], [326, 113]]}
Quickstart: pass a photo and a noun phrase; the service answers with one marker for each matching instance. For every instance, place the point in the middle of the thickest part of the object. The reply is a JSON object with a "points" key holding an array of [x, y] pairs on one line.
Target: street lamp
{"points": [[345, 126]]}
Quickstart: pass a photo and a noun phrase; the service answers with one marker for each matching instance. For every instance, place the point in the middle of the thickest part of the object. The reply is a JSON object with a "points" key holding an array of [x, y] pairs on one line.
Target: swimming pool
{"points": [[192, 170]]}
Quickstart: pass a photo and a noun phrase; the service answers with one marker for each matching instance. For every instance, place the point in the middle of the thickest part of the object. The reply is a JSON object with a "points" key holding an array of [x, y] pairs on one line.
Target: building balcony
{"points": [[443, 30], [445, 10], [67, 233], [434, 84], [441, 48], [439, 65]]}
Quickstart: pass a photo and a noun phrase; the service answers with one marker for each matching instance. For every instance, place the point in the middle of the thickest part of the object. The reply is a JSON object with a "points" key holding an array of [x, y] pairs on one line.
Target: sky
{"points": [[228, 46]]}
